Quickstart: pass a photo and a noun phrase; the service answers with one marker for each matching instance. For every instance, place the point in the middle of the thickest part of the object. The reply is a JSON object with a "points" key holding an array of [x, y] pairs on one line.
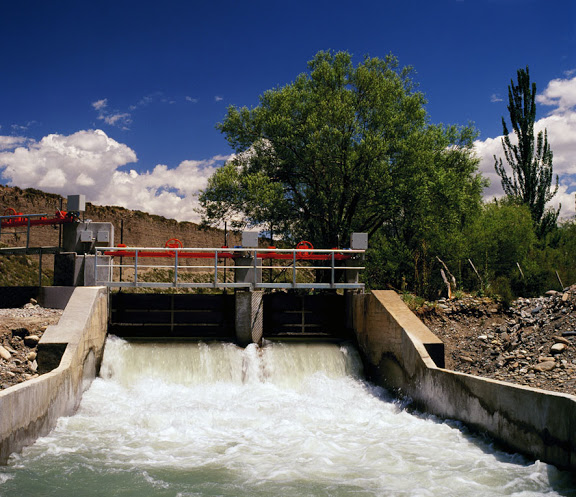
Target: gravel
{"points": [[532, 342], [20, 331]]}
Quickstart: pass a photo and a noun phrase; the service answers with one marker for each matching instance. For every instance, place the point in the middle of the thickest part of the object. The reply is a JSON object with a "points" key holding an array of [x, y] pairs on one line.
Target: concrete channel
{"points": [[398, 350]]}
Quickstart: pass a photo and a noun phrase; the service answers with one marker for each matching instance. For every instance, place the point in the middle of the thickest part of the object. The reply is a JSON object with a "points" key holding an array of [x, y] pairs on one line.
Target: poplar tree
{"points": [[530, 159]]}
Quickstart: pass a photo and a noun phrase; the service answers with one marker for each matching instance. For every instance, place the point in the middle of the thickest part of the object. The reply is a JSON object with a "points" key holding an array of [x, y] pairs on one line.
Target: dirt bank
{"points": [[532, 342]]}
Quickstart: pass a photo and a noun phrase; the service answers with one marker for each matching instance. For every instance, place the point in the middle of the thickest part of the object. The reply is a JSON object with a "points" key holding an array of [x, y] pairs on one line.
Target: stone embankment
{"points": [[532, 342], [20, 332]]}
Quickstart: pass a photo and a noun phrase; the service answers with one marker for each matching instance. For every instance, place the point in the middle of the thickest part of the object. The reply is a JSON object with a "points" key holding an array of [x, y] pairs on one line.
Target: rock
{"points": [[31, 340], [561, 340], [33, 366], [545, 359], [551, 293], [558, 348], [564, 297], [20, 332], [4, 354], [33, 301], [545, 366], [536, 309], [467, 359], [31, 356], [483, 337]]}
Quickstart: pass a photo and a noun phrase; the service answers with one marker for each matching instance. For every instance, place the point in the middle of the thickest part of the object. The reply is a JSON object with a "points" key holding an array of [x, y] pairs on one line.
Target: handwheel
{"points": [[303, 246]]}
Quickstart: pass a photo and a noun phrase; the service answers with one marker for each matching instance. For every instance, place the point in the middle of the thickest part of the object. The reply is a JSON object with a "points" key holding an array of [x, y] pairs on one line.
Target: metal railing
{"points": [[6, 220], [248, 267]]}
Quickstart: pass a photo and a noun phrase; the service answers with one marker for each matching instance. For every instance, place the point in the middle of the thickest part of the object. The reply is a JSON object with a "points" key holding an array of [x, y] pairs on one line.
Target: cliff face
{"points": [[140, 229]]}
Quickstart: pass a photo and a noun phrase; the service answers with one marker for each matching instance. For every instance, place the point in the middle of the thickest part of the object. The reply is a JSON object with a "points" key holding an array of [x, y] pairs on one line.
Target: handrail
{"points": [[248, 265]]}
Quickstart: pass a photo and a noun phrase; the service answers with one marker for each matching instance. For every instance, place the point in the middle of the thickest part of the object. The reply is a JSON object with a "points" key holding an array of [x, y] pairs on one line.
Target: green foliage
{"points": [[502, 236], [529, 159], [501, 289], [345, 148]]}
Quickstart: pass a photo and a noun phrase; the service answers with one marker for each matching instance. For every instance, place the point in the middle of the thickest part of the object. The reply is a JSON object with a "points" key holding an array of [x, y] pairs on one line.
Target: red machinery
{"points": [[303, 252], [17, 219]]}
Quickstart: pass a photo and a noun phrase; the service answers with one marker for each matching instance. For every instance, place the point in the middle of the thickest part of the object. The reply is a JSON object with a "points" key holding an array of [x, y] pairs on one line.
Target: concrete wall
{"points": [[397, 348], [74, 347]]}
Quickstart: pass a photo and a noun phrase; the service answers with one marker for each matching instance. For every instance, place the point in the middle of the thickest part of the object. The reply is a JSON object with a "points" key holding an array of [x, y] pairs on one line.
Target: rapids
{"points": [[191, 419]]}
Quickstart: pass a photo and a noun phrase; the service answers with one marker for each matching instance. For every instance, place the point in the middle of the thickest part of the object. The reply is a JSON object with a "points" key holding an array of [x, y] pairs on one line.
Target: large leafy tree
{"points": [[343, 148], [530, 159]]}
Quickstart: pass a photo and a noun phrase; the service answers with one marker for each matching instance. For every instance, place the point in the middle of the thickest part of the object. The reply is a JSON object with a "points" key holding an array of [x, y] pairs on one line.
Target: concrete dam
{"points": [[289, 417], [259, 388]]}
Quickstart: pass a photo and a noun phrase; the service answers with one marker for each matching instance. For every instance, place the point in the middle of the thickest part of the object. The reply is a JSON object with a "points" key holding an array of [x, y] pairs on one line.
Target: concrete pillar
{"points": [[246, 274], [85, 237], [249, 317], [104, 273], [68, 269]]}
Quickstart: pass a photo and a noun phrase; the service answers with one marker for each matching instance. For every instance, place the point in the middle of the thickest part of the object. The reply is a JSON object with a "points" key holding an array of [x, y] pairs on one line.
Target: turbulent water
{"points": [[284, 420]]}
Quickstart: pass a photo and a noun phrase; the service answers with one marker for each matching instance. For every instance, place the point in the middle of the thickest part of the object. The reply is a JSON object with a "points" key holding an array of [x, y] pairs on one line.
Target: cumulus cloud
{"points": [[561, 94], [560, 124], [10, 142], [495, 98], [89, 162], [217, 98]]}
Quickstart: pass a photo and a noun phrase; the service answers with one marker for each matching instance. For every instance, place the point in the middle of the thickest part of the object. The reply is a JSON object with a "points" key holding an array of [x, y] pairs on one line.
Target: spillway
{"points": [[282, 420]]}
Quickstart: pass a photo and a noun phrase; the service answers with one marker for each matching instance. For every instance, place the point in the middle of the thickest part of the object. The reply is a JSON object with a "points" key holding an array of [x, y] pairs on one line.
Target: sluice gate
{"points": [[172, 316], [285, 316]]}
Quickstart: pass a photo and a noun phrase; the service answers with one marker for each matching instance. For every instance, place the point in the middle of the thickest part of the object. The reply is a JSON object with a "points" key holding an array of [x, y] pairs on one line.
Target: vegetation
{"points": [[344, 148], [350, 148], [529, 159]]}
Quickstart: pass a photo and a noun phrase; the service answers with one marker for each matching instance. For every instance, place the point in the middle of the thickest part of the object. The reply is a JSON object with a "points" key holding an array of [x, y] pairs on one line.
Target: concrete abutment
{"points": [[402, 354], [75, 345]]}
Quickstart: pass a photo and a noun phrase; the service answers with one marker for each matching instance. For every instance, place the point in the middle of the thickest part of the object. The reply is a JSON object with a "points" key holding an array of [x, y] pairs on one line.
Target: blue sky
{"points": [[119, 99]]}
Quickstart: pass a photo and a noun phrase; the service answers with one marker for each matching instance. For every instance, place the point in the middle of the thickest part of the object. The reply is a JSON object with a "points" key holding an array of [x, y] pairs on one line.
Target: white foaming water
{"points": [[283, 420]]}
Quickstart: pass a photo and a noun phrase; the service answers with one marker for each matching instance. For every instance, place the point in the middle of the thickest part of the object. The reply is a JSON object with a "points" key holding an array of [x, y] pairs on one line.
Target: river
{"points": [[185, 420]]}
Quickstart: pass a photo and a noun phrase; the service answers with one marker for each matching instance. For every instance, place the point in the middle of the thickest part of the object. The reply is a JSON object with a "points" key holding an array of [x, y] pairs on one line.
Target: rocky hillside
{"points": [[140, 228], [532, 343]]}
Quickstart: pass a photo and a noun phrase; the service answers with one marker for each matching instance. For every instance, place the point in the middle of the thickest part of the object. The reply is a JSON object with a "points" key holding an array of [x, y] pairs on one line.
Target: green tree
{"points": [[343, 148], [500, 238], [530, 159]]}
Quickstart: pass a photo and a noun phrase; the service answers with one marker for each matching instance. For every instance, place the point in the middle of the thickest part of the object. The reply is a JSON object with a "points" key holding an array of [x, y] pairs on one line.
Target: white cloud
{"points": [[218, 98], [495, 98], [100, 104], [88, 162], [112, 118], [561, 127], [191, 99], [560, 93], [10, 142], [121, 119]]}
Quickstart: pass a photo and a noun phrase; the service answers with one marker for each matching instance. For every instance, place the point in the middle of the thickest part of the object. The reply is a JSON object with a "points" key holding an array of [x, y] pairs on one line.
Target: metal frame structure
{"points": [[296, 259], [19, 220]]}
